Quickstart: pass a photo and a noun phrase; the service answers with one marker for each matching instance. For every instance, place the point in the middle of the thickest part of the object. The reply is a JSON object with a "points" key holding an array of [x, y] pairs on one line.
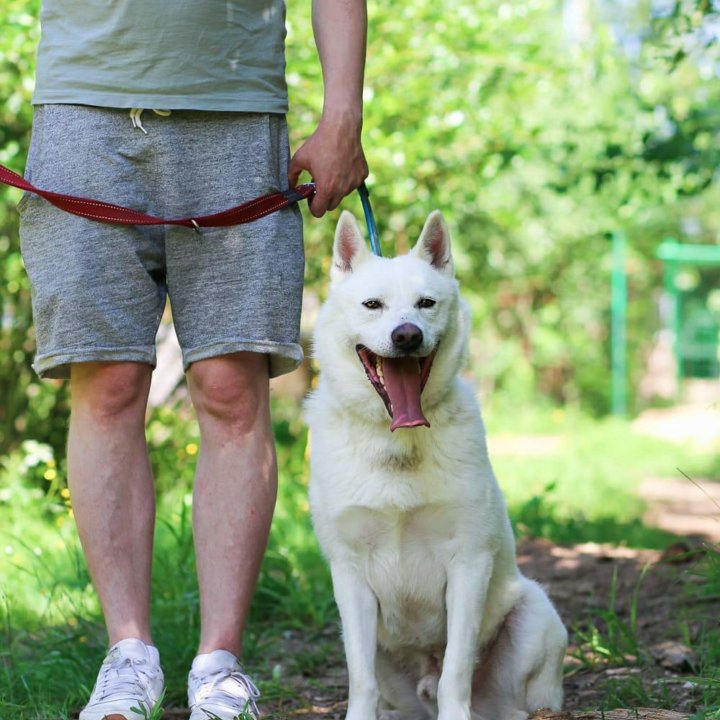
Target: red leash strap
{"points": [[109, 213]]}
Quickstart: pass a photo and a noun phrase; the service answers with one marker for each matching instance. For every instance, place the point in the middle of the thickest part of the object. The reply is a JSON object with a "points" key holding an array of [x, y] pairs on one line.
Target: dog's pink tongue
{"points": [[403, 385]]}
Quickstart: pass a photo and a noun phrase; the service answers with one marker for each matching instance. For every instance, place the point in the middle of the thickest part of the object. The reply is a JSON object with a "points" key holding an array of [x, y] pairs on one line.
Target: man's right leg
{"points": [[98, 295], [111, 489], [113, 498]]}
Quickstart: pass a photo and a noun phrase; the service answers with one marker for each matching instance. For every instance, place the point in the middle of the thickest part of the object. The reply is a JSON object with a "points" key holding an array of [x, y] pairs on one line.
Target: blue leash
{"points": [[370, 220]]}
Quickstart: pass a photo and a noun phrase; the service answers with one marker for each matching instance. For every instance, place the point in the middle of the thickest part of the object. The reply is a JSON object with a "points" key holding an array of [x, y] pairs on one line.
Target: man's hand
{"points": [[333, 154], [334, 158]]}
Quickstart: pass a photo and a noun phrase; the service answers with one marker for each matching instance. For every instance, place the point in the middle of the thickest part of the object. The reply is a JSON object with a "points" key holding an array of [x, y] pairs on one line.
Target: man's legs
{"points": [[114, 504], [114, 500], [235, 490], [112, 489]]}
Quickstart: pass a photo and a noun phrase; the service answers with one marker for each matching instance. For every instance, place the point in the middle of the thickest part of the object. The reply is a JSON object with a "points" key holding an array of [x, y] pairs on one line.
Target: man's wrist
{"points": [[348, 116]]}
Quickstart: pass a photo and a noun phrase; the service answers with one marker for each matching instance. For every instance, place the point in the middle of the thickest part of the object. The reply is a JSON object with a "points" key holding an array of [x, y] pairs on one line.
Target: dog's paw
{"points": [[456, 710], [427, 687]]}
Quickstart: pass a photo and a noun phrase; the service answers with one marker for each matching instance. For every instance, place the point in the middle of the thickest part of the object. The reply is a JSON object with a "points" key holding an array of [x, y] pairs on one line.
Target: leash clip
{"points": [[196, 227]]}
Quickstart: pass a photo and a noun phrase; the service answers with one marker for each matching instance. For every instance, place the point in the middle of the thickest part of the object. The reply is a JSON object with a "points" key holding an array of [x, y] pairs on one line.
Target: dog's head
{"points": [[391, 327]]}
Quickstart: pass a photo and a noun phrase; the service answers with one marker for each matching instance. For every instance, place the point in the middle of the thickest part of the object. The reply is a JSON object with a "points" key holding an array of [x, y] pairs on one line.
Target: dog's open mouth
{"points": [[399, 381]]}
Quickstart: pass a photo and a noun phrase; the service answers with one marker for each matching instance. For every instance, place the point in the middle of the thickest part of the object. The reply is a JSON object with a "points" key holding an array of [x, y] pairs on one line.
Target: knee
{"points": [[231, 390], [110, 390]]}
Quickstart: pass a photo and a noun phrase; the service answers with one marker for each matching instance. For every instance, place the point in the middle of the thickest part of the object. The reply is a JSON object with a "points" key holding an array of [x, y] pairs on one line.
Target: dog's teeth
{"points": [[379, 370]]}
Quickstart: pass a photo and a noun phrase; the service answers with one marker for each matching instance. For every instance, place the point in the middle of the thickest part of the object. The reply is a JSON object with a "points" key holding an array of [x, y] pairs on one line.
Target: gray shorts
{"points": [[99, 290]]}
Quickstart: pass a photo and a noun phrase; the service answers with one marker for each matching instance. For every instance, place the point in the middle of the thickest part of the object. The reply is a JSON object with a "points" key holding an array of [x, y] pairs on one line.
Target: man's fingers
{"points": [[318, 205], [325, 199], [294, 170], [335, 200]]}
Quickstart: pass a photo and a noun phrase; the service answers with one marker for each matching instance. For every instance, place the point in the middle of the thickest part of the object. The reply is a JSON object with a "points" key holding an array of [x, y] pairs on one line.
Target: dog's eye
{"points": [[425, 303], [373, 304]]}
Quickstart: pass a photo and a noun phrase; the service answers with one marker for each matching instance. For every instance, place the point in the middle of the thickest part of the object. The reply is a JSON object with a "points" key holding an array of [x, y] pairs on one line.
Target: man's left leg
{"points": [[236, 296], [234, 498]]}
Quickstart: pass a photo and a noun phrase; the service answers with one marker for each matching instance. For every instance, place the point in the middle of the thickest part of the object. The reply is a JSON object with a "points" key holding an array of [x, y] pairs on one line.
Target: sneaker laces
{"points": [[121, 677], [135, 114], [221, 685]]}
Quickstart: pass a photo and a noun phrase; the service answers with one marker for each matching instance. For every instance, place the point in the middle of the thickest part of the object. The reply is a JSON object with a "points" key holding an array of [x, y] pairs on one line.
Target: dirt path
{"points": [[657, 668], [696, 424], [682, 506]]}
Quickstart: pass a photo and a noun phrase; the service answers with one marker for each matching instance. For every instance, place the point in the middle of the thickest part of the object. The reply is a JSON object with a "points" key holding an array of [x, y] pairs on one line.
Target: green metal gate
{"points": [[692, 281]]}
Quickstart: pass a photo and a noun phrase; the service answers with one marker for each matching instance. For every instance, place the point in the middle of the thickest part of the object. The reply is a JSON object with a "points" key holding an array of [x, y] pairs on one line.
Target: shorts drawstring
{"points": [[135, 114]]}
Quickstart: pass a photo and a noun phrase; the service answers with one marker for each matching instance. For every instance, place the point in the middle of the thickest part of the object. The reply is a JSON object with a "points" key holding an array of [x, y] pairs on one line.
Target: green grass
{"points": [[606, 638], [707, 645], [51, 635], [586, 488]]}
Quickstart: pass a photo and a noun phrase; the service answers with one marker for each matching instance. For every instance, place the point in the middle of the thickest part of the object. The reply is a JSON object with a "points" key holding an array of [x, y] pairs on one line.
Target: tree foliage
{"points": [[536, 145], [27, 404], [537, 148]]}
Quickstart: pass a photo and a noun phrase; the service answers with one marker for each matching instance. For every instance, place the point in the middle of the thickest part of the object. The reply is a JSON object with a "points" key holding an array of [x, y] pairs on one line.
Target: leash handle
{"points": [[370, 219], [111, 213]]}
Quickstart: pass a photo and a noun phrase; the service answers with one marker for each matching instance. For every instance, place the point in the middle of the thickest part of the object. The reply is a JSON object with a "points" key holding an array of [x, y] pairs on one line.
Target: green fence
{"points": [[692, 281]]}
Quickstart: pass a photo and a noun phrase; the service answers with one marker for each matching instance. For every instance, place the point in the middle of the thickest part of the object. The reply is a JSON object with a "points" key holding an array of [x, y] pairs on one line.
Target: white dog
{"points": [[437, 620]]}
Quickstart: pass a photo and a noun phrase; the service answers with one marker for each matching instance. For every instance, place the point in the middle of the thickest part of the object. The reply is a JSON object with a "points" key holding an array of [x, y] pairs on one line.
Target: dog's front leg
{"points": [[358, 612], [467, 585]]}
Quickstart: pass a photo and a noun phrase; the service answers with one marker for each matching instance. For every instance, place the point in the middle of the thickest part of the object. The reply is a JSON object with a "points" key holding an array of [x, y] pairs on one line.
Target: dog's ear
{"points": [[349, 249], [434, 244]]}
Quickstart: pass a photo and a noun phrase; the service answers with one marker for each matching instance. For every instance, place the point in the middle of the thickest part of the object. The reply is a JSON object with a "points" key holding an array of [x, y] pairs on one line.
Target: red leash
{"points": [[109, 213]]}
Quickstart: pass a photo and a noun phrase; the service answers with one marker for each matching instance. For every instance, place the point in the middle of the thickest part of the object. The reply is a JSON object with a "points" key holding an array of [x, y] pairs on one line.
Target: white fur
{"points": [[437, 620]]}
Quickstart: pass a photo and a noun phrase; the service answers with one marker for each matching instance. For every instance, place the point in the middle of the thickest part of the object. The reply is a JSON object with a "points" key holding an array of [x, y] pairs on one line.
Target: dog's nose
{"points": [[407, 337]]}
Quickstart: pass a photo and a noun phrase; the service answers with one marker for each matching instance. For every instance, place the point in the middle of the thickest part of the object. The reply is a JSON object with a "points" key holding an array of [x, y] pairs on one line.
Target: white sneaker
{"points": [[218, 689], [129, 683]]}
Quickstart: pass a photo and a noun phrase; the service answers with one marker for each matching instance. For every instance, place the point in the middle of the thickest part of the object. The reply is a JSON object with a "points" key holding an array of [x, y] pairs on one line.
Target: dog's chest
{"points": [[403, 555]]}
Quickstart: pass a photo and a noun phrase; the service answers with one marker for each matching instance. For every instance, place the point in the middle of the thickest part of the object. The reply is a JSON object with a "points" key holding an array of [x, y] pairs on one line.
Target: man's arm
{"points": [[333, 154]]}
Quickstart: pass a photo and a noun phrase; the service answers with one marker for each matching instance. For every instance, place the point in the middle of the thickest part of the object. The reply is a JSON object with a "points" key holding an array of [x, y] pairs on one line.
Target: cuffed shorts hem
{"points": [[57, 364], [282, 357]]}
